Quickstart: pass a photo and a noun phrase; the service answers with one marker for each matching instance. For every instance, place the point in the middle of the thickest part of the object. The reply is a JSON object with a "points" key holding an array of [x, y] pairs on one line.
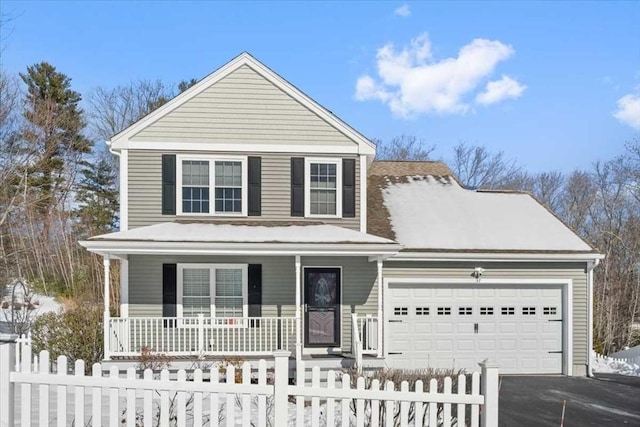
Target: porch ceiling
{"points": [[264, 238]]}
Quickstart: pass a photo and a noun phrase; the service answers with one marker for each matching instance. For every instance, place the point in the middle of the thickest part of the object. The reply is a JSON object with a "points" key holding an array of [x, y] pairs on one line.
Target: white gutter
{"points": [[495, 257], [111, 150], [590, 269]]}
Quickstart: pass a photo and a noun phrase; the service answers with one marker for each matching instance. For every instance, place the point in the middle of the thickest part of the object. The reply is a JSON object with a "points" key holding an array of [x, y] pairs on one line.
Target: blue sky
{"points": [[540, 81]]}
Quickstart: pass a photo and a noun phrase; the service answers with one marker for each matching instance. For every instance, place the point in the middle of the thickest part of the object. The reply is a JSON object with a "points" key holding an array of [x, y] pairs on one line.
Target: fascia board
{"points": [[239, 248], [495, 257]]}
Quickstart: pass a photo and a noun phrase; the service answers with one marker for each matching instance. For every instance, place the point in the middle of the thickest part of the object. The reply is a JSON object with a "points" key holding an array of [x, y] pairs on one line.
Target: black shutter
{"points": [[348, 188], [169, 292], [254, 298], [255, 186], [168, 184], [297, 186]]}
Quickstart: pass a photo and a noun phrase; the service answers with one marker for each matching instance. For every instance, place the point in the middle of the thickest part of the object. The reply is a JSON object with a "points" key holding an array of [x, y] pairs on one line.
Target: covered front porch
{"points": [[315, 298]]}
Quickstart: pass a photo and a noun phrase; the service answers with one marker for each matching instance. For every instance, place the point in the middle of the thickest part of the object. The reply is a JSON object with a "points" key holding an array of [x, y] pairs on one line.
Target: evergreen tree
{"points": [[54, 129], [97, 197]]}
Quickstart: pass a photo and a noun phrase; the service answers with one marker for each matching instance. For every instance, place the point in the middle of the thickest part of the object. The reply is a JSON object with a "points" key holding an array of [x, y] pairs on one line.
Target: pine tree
{"points": [[97, 197], [55, 123]]}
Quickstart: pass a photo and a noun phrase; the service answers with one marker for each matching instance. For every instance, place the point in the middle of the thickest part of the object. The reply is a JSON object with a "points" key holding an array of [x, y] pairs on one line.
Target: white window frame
{"points": [[212, 180], [212, 291], [307, 185]]}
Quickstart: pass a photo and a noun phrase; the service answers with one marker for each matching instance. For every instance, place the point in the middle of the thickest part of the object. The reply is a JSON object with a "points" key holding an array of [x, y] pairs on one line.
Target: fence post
{"points": [[7, 365], [489, 384], [201, 333], [280, 388]]}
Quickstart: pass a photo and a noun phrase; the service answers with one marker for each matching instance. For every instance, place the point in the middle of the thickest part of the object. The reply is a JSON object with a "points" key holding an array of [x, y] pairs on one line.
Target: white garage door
{"points": [[458, 326]]}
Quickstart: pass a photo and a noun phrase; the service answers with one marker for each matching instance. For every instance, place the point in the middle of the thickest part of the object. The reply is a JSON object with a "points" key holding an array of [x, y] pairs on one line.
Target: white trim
{"points": [[590, 268], [494, 257], [323, 350], [363, 193], [307, 185], [241, 148], [211, 158], [567, 298], [124, 190], [212, 283], [199, 248], [380, 282], [365, 146], [124, 287]]}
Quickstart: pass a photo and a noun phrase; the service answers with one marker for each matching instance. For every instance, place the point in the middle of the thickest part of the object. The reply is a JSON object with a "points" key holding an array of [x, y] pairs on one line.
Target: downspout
{"points": [[590, 267]]}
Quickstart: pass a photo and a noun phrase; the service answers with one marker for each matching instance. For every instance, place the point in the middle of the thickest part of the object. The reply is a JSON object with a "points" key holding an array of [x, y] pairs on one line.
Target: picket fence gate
{"points": [[248, 397]]}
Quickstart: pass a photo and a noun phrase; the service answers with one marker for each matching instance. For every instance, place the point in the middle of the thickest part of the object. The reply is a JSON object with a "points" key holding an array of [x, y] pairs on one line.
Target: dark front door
{"points": [[322, 307]]}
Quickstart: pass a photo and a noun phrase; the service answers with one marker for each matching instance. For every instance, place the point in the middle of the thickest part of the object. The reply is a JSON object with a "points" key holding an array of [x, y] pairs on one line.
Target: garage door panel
{"points": [[439, 322]]}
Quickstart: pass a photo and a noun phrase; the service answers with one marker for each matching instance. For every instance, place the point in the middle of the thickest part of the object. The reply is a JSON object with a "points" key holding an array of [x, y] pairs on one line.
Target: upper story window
{"points": [[323, 187], [201, 178]]}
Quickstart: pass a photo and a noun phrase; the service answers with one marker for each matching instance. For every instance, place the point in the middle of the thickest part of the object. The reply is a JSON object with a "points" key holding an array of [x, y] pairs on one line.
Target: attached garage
{"points": [[482, 274], [453, 325]]}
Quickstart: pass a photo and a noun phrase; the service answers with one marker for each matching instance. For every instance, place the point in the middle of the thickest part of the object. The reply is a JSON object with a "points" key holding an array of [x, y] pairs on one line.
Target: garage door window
{"points": [[528, 311], [465, 311], [422, 311], [549, 311], [444, 311], [508, 311], [486, 311], [400, 311]]}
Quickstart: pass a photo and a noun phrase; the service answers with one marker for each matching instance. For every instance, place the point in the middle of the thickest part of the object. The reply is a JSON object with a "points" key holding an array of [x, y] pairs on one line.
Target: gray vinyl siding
{"points": [[145, 189], [562, 271], [359, 287], [243, 108]]}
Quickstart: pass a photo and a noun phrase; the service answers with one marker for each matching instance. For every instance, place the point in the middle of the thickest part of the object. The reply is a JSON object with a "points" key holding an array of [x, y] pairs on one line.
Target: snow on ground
{"points": [[40, 304], [608, 365]]}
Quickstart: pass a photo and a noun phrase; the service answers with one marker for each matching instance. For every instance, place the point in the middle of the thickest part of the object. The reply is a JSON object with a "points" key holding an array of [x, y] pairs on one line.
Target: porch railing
{"points": [[201, 335], [364, 336]]}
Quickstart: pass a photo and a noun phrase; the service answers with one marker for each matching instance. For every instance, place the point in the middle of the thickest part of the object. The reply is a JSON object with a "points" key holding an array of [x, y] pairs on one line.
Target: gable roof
{"points": [[422, 206], [365, 146]]}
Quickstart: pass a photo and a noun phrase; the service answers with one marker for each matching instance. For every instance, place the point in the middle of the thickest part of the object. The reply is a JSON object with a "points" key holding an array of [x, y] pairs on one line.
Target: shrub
{"points": [[76, 333], [153, 360]]}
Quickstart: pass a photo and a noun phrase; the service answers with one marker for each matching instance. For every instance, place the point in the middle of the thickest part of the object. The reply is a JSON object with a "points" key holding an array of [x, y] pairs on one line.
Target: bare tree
{"points": [[477, 167], [113, 110], [403, 147]]}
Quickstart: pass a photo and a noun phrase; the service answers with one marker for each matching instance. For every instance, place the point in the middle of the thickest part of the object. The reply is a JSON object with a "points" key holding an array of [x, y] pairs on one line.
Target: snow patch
{"points": [[610, 365]]}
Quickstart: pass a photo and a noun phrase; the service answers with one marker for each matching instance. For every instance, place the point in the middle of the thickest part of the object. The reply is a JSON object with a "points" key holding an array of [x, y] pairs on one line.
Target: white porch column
{"points": [[124, 286], [107, 266], [298, 311], [380, 320]]}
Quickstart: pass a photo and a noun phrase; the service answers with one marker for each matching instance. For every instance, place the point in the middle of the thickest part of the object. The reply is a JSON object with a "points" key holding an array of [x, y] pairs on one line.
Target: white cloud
{"points": [[628, 111], [411, 82], [499, 90], [403, 11]]}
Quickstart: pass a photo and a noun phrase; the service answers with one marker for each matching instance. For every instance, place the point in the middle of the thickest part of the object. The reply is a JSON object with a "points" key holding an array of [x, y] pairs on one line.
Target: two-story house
{"points": [[253, 219]]}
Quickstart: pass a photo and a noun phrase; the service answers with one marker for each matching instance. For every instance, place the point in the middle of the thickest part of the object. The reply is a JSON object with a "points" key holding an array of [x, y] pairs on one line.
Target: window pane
{"points": [[323, 188], [229, 292], [228, 183], [195, 186], [195, 172], [196, 292]]}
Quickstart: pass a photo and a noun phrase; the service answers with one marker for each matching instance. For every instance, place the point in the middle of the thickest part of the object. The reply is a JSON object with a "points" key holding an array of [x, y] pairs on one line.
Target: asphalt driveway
{"points": [[607, 400]]}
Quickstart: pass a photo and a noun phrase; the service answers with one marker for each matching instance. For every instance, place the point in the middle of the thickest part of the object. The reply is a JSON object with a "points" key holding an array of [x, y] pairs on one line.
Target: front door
{"points": [[322, 307]]}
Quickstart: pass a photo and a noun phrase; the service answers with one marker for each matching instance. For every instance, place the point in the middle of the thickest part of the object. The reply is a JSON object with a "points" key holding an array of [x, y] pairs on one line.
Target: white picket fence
{"points": [[630, 360], [252, 397]]}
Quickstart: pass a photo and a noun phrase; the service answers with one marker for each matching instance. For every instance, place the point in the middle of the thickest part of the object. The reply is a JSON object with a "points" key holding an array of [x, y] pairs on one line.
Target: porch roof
{"points": [[241, 237]]}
